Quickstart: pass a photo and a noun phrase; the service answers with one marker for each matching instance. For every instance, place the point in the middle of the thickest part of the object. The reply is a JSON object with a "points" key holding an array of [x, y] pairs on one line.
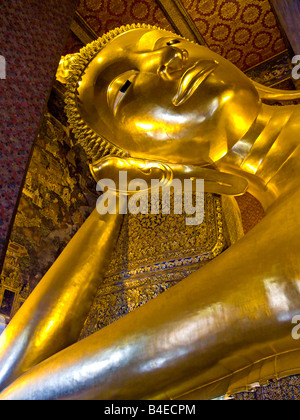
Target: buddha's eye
{"points": [[120, 95], [125, 86], [119, 88], [173, 42]]}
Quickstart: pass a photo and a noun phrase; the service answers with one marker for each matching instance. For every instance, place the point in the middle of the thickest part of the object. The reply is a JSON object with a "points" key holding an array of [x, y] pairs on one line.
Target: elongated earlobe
{"points": [[269, 93]]}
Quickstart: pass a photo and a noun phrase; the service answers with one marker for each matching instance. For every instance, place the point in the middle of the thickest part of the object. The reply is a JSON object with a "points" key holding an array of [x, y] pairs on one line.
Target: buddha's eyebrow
{"points": [[148, 41], [152, 44]]}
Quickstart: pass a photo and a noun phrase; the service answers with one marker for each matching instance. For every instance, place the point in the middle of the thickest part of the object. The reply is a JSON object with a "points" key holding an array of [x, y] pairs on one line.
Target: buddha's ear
{"points": [[269, 93]]}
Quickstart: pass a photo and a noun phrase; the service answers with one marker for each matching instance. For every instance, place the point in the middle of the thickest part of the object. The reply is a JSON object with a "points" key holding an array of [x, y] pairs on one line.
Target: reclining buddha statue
{"points": [[150, 102]]}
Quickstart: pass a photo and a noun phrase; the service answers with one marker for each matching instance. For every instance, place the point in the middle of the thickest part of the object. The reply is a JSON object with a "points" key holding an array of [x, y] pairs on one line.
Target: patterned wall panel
{"points": [[31, 40], [245, 32], [104, 15]]}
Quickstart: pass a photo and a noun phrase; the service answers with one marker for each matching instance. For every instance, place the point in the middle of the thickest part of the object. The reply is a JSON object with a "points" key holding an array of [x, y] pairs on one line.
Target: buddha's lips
{"points": [[192, 79]]}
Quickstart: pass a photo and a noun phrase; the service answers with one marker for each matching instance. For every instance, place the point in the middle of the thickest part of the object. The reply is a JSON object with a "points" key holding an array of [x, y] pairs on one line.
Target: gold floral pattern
{"points": [[153, 253], [244, 32]]}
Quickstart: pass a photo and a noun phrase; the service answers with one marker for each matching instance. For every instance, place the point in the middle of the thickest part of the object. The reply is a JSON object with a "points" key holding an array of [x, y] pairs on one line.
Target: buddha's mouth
{"points": [[192, 79]]}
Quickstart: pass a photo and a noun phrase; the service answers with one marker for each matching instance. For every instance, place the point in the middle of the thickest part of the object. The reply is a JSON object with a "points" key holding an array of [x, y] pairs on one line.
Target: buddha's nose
{"points": [[175, 59]]}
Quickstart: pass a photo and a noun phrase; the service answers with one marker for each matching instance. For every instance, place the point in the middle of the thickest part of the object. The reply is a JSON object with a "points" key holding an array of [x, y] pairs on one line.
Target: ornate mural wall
{"points": [[58, 195]]}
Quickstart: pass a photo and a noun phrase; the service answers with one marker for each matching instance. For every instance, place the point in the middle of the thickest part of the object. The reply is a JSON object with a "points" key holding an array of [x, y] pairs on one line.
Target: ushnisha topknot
{"points": [[93, 144]]}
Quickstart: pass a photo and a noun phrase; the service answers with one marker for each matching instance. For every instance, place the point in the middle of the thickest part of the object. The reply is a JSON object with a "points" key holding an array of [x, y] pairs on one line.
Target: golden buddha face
{"points": [[159, 96]]}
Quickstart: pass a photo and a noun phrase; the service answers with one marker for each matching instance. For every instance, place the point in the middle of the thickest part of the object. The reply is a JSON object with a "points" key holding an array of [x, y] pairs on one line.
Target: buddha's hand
{"points": [[125, 171]]}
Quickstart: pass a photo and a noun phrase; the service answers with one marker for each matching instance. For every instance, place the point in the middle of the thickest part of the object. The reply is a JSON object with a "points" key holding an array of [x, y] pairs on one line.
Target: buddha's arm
{"points": [[232, 313], [53, 315]]}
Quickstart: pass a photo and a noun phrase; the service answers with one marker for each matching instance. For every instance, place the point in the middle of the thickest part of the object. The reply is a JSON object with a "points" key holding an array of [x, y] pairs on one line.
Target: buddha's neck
{"points": [[264, 154]]}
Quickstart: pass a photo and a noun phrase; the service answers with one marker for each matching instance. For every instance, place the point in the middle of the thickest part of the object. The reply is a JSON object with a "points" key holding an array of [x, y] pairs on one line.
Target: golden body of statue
{"points": [[155, 101]]}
